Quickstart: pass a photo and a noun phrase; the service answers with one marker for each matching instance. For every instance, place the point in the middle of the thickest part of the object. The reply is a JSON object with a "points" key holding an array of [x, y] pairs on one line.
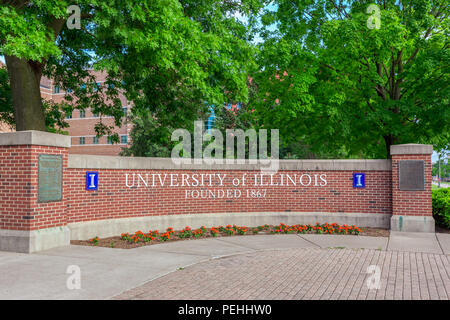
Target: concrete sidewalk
{"points": [[107, 272]]}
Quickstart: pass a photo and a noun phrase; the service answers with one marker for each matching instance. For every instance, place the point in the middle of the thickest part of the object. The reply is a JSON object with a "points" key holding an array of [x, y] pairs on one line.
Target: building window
{"points": [[56, 89], [109, 140], [69, 115], [81, 140], [95, 115], [82, 114], [97, 86], [69, 90], [211, 120], [125, 111], [95, 140], [123, 139]]}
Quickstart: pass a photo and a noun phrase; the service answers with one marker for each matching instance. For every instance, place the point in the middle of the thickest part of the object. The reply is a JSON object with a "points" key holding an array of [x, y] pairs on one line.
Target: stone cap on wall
{"points": [[111, 162], [411, 148], [33, 137]]}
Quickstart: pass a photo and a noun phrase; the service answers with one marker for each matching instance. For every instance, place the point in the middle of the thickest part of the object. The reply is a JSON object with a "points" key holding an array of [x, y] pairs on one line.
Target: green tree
{"points": [[6, 110], [445, 169], [333, 78], [167, 56]]}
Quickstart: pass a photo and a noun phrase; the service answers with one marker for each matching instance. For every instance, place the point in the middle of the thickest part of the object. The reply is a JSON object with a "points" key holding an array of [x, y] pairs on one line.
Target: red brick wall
{"points": [[412, 203], [114, 200], [19, 207]]}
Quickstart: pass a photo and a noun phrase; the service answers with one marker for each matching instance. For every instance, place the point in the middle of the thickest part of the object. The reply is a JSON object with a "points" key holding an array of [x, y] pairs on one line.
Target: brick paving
{"points": [[305, 273]]}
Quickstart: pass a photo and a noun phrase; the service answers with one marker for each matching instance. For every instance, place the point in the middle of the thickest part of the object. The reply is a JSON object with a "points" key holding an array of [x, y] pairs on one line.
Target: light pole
{"points": [[439, 170]]}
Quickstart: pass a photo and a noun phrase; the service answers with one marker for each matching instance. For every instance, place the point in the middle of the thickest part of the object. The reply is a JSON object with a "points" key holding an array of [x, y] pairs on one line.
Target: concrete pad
{"points": [[444, 241], [261, 242], [202, 247], [104, 273], [414, 242], [413, 224], [347, 241], [121, 257]]}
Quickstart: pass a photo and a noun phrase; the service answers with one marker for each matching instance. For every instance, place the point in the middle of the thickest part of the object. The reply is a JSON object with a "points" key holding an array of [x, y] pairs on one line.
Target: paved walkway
{"points": [[305, 274], [412, 265]]}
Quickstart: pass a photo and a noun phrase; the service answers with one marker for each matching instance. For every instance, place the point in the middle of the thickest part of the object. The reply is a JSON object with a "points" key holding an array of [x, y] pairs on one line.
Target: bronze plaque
{"points": [[411, 174], [49, 178]]}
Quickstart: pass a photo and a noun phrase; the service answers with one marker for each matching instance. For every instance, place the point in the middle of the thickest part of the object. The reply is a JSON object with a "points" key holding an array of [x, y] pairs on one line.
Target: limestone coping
{"points": [[33, 137], [411, 148], [112, 162]]}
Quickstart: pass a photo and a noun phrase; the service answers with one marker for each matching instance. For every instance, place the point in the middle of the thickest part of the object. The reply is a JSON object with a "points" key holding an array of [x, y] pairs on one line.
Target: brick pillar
{"points": [[411, 188], [32, 208]]}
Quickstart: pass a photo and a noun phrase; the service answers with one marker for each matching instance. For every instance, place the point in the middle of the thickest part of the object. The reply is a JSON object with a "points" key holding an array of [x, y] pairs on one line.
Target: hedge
{"points": [[441, 207]]}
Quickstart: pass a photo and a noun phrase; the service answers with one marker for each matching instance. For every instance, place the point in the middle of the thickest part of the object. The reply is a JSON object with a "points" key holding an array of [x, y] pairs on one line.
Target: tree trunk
{"points": [[24, 78], [389, 140]]}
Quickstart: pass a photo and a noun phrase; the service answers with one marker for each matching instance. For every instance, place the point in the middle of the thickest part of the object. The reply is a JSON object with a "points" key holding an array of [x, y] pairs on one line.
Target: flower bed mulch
{"points": [[440, 229], [139, 238]]}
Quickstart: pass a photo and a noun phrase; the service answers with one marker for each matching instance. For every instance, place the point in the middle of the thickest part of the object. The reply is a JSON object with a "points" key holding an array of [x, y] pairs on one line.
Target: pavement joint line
{"points": [[309, 241], [439, 274], [439, 243], [181, 253], [250, 251], [235, 244], [388, 242]]}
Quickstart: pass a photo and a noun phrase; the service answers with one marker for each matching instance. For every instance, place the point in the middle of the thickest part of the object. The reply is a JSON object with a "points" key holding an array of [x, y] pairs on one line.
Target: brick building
{"points": [[82, 122]]}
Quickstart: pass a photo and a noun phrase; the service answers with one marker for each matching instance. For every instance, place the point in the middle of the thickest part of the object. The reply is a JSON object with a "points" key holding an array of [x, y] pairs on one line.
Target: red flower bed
{"points": [[140, 238]]}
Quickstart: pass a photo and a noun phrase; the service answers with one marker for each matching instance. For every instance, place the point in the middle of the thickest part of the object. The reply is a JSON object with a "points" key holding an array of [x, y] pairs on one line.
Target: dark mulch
{"points": [[117, 242], [441, 230]]}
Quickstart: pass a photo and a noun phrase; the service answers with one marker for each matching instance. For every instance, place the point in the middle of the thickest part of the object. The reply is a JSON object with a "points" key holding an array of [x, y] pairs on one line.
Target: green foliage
{"points": [[327, 80], [445, 170], [149, 137], [441, 207], [6, 110]]}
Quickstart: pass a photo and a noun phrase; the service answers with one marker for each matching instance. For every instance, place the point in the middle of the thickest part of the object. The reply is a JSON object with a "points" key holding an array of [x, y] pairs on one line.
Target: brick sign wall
{"points": [[46, 199], [114, 199]]}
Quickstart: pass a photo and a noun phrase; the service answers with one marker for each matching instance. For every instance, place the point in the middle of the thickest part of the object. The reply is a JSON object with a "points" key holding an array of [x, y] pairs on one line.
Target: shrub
{"points": [[441, 207]]}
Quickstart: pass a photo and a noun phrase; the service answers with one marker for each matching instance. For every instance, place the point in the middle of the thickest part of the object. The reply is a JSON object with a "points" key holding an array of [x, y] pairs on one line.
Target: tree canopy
{"points": [[332, 77], [337, 78], [167, 56]]}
